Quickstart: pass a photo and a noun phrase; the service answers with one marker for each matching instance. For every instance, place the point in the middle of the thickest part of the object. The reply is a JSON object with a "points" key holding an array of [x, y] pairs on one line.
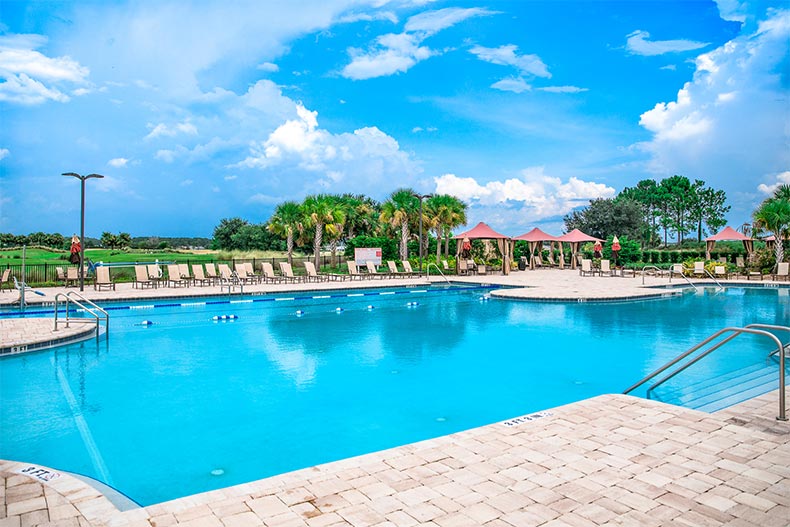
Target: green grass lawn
{"points": [[35, 256]]}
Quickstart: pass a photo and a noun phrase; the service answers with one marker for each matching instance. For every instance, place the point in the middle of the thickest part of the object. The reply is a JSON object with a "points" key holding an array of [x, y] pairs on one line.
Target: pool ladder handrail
{"points": [[94, 310], [428, 274], [683, 275], [755, 329]]}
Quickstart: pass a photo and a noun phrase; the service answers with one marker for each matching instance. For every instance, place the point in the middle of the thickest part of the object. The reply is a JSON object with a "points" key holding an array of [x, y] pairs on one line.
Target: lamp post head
{"points": [[82, 178]]}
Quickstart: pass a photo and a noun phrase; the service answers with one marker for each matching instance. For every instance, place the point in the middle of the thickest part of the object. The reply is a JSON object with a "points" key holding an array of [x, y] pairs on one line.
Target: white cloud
{"points": [[269, 67], [638, 43], [187, 182], [538, 195], [118, 162], [396, 53], [163, 130], [368, 17], [724, 121], [366, 160], [516, 85], [4, 152], [563, 89], [230, 178], [30, 77], [781, 179], [732, 10], [507, 56]]}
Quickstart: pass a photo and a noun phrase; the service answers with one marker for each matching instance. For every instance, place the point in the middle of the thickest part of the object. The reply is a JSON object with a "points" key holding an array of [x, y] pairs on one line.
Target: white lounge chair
{"points": [[373, 272], [102, 279], [586, 268], [142, 279], [782, 271], [606, 268], [174, 277]]}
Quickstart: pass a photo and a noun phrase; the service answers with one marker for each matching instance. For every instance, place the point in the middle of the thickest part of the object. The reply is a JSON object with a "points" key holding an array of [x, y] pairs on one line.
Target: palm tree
{"points": [[452, 214], [361, 214], [320, 212], [286, 221], [774, 215], [439, 211], [396, 211]]}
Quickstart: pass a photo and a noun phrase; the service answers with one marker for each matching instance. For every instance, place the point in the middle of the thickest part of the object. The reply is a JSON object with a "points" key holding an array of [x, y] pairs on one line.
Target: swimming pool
{"points": [[190, 403]]}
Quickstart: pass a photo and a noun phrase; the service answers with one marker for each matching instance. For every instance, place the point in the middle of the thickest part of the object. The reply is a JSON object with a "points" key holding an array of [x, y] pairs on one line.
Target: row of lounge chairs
{"points": [[180, 275]]}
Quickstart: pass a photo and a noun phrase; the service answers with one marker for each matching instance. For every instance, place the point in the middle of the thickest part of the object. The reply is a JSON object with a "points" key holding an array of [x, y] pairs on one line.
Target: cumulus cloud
{"points": [[118, 162], [30, 77], [537, 194], [781, 179], [639, 43], [163, 130], [398, 52], [350, 18], [724, 121], [363, 161], [4, 152]]}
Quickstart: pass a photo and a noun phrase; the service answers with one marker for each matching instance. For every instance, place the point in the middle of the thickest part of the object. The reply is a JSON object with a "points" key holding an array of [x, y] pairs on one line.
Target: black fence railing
{"points": [[48, 273]]}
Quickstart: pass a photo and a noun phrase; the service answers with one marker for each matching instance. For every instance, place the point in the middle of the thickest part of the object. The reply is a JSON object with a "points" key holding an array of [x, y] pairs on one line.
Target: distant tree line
{"points": [[108, 240], [651, 210], [333, 219]]}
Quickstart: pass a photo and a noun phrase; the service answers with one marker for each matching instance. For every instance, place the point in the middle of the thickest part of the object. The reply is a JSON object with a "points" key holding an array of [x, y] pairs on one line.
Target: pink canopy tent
{"points": [[536, 237], [729, 234], [574, 238], [482, 231]]}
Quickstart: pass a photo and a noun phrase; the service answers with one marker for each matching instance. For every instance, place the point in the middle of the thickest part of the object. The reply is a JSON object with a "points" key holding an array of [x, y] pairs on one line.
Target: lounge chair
{"points": [[445, 266], [155, 273], [102, 279], [353, 272], [174, 276], [6, 279], [198, 276], [142, 278], [586, 268], [720, 271], [287, 273], [699, 269], [372, 271], [183, 270], [606, 268], [244, 276], [782, 271], [407, 267], [313, 275], [211, 272], [226, 276], [268, 273], [251, 272], [61, 274], [72, 276]]}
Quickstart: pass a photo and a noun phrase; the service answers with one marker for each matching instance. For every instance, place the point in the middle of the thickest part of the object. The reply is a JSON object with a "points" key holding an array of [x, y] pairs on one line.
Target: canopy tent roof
{"points": [[536, 235], [729, 234], [576, 236], [481, 231]]}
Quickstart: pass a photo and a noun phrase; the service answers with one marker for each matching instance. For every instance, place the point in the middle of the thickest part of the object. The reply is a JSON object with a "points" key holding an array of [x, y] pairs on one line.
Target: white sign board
{"points": [[362, 255]]}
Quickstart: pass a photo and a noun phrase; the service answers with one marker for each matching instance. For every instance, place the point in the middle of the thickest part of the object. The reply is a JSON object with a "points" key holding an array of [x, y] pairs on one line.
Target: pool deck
{"points": [[609, 460]]}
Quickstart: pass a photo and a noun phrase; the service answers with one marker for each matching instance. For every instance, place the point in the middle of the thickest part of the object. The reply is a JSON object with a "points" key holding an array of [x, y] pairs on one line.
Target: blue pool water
{"points": [[190, 404]]}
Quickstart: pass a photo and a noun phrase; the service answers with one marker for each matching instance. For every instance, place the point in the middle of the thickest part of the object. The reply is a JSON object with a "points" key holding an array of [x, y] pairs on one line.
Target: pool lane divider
{"points": [[266, 299], [82, 426]]}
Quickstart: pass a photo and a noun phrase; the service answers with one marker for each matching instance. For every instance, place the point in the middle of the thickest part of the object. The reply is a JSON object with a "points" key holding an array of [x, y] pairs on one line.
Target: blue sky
{"points": [[197, 111]]}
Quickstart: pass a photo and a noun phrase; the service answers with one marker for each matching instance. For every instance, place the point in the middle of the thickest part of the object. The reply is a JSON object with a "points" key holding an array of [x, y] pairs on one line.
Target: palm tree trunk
{"points": [[438, 244], [319, 235], [333, 248], [779, 250], [404, 240], [289, 243], [447, 244]]}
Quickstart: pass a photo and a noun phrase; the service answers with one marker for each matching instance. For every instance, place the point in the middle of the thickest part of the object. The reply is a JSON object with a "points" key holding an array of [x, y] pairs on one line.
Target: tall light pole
{"points": [[421, 197], [82, 222]]}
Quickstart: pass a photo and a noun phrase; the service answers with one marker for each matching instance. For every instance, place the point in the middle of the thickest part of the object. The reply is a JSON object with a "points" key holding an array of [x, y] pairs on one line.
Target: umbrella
{"points": [[74, 257], [615, 248], [597, 248]]}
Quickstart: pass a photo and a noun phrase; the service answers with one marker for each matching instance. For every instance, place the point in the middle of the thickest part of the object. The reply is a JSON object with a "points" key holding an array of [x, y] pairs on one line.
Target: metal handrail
{"points": [[91, 308], [713, 278], [736, 331], [428, 268], [645, 268], [683, 275]]}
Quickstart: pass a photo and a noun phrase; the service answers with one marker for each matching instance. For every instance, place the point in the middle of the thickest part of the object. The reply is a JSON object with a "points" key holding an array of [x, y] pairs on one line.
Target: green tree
{"points": [[609, 217], [223, 233], [399, 208], [124, 240], [286, 221], [773, 215], [320, 211], [714, 210], [361, 215], [647, 194], [444, 213], [109, 240], [678, 192]]}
